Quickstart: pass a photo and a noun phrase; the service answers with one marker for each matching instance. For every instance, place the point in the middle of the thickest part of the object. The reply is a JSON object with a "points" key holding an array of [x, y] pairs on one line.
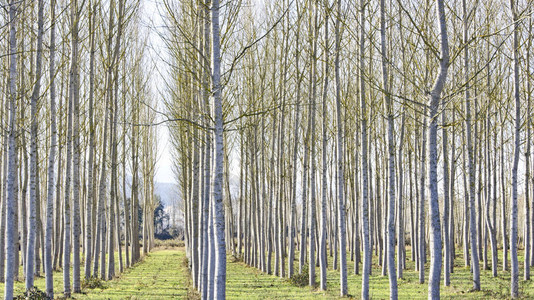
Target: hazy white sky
{"points": [[151, 21]]}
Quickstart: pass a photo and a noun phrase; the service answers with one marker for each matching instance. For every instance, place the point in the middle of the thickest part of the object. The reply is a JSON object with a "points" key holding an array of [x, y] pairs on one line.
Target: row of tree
{"points": [[399, 127], [76, 107]]}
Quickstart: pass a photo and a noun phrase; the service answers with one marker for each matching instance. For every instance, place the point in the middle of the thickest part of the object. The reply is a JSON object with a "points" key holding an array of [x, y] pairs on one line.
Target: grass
{"points": [[163, 274], [248, 282]]}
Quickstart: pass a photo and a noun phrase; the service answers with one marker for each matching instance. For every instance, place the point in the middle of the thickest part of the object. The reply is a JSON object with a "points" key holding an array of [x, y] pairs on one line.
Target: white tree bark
{"points": [[421, 241], [90, 171], [12, 167], [304, 214], [390, 228], [313, 197], [114, 107], [58, 206], [112, 194], [514, 289], [446, 201], [196, 226], [504, 211], [471, 168], [528, 233], [204, 212], [51, 158], [343, 286], [366, 269], [211, 251], [323, 223], [100, 236], [435, 98], [134, 199], [281, 147], [220, 268], [74, 81], [293, 212], [491, 219], [30, 250], [5, 162], [66, 200]]}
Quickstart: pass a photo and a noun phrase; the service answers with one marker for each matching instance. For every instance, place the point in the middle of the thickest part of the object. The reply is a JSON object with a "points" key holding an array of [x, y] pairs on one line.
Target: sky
{"points": [[152, 22], [151, 19]]}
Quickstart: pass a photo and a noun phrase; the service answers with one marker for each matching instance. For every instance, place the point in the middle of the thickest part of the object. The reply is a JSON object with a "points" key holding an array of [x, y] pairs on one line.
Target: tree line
{"points": [[314, 133], [78, 155]]}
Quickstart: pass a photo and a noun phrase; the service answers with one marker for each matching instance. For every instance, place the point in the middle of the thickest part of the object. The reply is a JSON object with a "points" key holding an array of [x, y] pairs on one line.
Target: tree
{"points": [[90, 172], [30, 254], [51, 159], [471, 167], [435, 98], [390, 247], [340, 155], [322, 242], [11, 178], [366, 270], [220, 269], [311, 124], [514, 289], [75, 94], [293, 211]]}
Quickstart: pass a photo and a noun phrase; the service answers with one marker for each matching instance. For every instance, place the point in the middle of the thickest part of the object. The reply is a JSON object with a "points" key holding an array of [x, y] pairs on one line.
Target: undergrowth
{"points": [[300, 279], [169, 244], [33, 294], [192, 293], [93, 283]]}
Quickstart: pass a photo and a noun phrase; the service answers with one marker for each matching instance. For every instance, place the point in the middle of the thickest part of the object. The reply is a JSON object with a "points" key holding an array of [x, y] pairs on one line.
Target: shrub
{"points": [[185, 262], [235, 259], [33, 294], [192, 294], [93, 283], [300, 279], [172, 243]]}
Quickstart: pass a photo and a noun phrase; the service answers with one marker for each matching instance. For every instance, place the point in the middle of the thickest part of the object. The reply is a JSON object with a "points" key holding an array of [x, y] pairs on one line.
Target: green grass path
{"points": [[163, 274]]}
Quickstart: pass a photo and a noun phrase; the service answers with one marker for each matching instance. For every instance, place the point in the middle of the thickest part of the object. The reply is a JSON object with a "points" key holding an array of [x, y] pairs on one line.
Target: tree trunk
{"points": [[390, 227], [67, 199], [514, 289], [91, 185], [322, 244], [365, 168], [220, 269], [421, 243], [435, 98], [527, 240], [30, 254], [74, 93], [471, 167], [51, 158], [342, 235], [5, 176], [313, 197], [293, 211], [12, 167]]}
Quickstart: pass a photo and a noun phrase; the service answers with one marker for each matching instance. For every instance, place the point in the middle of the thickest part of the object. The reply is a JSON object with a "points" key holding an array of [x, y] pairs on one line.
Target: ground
{"points": [[163, 274]]}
